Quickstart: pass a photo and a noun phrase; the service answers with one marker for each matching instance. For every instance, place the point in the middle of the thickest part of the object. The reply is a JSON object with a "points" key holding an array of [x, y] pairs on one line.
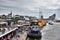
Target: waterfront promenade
{"points": [[22, 36]]}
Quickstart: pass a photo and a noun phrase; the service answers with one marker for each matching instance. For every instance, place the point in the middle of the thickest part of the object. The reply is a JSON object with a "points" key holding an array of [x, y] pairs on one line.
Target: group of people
{"points": [[3, 30], [20, 31]]}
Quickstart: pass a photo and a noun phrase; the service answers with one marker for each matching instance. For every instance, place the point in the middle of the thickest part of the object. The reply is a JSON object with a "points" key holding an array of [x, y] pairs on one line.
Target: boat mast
{"points": [[40, 15]]}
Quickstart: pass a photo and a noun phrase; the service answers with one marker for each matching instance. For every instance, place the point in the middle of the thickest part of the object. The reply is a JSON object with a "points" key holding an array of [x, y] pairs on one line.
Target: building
{"points": [[52, 17]]}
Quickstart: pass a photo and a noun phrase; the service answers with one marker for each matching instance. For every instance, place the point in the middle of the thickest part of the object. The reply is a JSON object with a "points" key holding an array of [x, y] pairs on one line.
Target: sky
{"points": [[30, 7]]}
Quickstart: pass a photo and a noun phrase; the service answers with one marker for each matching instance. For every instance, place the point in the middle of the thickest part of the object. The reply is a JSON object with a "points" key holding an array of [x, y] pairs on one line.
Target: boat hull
{"points": [[32, 35]]}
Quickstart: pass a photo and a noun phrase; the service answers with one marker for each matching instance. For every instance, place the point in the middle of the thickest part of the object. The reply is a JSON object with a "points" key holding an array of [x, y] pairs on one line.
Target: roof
{"points": [[3, 22]]}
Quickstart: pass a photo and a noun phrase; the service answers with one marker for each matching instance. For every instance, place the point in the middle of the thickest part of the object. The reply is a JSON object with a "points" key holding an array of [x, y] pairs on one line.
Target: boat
{"points": [[34, 33], [50, 22]]}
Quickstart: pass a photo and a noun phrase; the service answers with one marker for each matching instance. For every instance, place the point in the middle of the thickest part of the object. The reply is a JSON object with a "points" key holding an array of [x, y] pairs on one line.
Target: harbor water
{"points": [[50, 32]]}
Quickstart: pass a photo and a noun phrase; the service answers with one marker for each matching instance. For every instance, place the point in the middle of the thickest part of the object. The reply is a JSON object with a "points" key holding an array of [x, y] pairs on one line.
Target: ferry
{"points": [[34, 33]]}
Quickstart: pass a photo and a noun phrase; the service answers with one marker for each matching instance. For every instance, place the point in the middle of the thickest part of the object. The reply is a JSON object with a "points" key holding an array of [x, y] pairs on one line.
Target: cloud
{"points": [[29, 7]]}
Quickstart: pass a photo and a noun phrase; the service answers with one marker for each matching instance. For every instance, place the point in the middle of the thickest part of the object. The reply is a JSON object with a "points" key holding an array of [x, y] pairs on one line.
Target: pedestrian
{"points": [[3, 30], [9, 36], [17, 38]]}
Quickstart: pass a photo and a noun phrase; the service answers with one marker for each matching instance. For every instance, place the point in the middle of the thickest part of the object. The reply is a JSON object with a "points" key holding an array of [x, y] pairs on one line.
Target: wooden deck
{"points": [[23, 37]]}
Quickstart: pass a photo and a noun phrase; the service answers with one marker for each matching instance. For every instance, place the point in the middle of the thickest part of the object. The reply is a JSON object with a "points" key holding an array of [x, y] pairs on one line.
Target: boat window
{"points": [[34, 32]]}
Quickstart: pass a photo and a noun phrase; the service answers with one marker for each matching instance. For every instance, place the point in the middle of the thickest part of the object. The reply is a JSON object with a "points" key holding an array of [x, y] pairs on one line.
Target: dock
{"points": [[22, 36]]}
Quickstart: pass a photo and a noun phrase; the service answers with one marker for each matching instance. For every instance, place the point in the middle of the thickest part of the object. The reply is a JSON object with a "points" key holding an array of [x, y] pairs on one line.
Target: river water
{"points": [[51, 32]]}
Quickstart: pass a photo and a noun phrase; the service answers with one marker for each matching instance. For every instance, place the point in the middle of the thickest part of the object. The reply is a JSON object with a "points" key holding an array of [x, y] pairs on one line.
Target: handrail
{"points": [[8, 32]]}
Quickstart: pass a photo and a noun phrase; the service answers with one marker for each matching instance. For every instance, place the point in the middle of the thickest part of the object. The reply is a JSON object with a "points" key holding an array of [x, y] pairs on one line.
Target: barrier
{"points": [[8, 34]]}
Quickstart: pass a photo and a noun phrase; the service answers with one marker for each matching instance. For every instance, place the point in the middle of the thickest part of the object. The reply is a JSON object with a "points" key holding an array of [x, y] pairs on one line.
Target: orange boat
{"points": [[41, 23]]}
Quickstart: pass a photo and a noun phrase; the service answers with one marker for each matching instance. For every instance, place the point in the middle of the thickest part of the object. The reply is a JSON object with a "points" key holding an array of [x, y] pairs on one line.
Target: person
{"points": [[8, 38], [17, 37], [3, 30]]}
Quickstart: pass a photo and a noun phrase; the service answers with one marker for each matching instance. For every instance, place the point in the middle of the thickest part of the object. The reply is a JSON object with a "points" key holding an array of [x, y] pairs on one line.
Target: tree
{"points": [[15, 19], [0, 17], [3, 16]]}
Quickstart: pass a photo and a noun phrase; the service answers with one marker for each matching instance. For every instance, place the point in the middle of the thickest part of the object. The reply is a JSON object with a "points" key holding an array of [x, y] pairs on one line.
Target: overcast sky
{"points": [[30, 7]]}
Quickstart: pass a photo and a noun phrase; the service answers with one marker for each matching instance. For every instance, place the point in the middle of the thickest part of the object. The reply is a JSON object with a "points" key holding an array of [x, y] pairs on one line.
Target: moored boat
{"points": [[34, 33]]}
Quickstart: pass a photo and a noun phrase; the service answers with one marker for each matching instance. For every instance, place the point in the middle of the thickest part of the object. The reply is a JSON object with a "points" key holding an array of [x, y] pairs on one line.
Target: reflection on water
{"points": [[33, 39]]}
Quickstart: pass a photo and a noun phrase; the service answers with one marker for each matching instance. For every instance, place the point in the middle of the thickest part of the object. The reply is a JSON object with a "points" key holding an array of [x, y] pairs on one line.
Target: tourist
{"points": [[17, 37], [3, 30]]}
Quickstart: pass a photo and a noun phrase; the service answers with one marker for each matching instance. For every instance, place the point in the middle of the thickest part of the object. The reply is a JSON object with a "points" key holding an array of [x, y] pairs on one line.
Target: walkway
{"points": [[22, 36]]}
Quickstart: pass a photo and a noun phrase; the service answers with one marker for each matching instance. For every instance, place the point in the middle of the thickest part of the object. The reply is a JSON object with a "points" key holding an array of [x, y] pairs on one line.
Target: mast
{"points": [[40, 15]]}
